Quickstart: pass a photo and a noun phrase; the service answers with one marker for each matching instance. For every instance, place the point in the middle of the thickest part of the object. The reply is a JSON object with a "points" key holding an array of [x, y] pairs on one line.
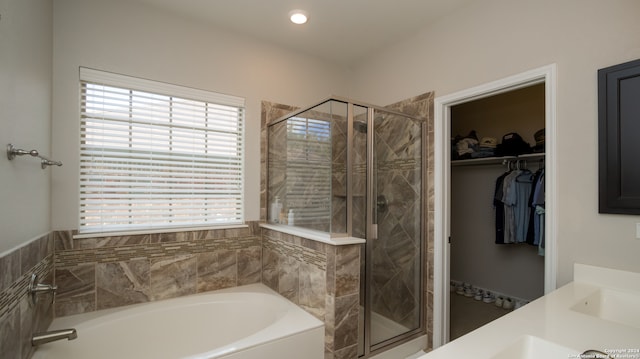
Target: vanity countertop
{"points": [[559, 320]]}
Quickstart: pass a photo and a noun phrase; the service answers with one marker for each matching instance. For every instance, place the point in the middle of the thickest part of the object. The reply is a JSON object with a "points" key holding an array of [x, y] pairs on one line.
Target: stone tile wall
{"points": [[269, 112], [106, 272], [322, 279], [396, 256], [18, 318]]}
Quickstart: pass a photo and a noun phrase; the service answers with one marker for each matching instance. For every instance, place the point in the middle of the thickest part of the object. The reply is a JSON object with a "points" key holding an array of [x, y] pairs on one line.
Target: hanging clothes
{"points": [[509, 199], [531, 233], [498, 206], [538, 203], [523, 188], [519, 208]]}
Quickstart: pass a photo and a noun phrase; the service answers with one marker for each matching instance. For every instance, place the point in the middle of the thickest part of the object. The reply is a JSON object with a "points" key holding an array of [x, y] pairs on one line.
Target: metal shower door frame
{"points": [[372, 235]]}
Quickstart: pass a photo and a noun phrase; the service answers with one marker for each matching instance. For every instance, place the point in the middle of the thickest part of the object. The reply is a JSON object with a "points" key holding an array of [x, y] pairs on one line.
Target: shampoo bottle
{"points": [[291, 218], [276, 207]]}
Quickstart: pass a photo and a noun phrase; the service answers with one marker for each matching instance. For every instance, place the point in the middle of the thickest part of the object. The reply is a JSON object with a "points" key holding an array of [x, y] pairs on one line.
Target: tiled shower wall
{"points": [[281, 181], [396, 253], [422, 106], [271, 112], [18, 318]]}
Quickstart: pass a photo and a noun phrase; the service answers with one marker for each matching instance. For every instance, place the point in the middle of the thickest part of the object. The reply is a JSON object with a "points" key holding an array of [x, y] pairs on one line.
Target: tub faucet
{"points": [[36, 288], [46, 337]]}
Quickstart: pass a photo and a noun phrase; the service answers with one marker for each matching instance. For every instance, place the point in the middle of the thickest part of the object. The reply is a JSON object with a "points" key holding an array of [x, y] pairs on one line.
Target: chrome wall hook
{"points": [[44, 163], [13, 152]]}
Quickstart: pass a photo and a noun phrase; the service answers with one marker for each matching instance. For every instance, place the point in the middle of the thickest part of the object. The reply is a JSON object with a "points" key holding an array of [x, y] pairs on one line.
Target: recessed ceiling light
{"points": [[298, 16]]}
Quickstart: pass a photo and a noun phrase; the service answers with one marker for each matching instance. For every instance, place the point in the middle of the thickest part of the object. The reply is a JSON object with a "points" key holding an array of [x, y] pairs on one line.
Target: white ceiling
{"points": [[343, 31]]}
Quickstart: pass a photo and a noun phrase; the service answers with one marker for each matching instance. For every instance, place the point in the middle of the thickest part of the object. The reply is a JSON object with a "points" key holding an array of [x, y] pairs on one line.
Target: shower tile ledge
{"points": [[318, 236]]}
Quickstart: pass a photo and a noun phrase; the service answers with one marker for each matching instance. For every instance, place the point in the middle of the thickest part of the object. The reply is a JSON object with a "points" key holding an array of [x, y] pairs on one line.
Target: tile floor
{"points": [[467, 314]]}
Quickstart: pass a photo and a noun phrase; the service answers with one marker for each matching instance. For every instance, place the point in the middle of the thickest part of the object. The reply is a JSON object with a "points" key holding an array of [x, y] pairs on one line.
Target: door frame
{"points": [[442, 184]]}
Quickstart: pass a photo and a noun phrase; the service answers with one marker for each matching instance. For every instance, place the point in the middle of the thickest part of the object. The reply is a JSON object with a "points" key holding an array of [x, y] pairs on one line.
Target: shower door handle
{"points": [[374, 231]]}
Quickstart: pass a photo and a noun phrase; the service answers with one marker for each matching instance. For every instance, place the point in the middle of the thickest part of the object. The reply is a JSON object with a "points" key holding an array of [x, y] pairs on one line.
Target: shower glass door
{"points": [[395, 211]]}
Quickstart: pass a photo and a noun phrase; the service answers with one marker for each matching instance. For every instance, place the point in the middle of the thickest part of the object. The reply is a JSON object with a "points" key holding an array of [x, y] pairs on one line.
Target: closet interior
{"points": [[497, 206]]}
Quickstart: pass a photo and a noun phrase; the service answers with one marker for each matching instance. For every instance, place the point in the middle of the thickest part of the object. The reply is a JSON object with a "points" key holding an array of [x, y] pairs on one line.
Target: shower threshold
{"points": [[382, 328]]}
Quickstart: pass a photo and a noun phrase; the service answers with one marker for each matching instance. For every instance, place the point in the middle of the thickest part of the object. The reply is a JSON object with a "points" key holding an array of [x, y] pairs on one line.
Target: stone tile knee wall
{"points": [[18, 318], [322, 279], [106, 272]]}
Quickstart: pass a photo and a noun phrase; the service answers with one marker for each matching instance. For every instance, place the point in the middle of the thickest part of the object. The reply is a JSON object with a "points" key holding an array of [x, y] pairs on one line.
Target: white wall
{"points": [[493, 39], [25, 119], [133, 39]]}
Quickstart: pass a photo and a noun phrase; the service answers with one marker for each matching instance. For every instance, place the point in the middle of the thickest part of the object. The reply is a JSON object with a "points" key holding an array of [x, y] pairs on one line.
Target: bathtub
{"points": [[247, 322]]}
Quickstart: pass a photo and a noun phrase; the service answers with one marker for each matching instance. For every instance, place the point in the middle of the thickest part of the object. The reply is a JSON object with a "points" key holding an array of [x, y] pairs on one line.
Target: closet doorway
{"points": [[449, 216], [496, 251]]}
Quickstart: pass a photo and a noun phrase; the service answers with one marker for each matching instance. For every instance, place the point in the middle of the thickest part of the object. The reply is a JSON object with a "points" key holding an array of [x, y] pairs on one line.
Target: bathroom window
{"points": [[157, 156]]}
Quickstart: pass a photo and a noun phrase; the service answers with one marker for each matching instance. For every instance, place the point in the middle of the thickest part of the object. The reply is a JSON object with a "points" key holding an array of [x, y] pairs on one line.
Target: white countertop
{"points": [[318, 236], [551, 319]]}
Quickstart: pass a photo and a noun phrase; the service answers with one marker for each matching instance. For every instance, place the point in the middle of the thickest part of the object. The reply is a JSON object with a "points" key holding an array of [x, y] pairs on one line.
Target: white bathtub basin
{"points": [[612, 305], [530, 347], [244, 322]]}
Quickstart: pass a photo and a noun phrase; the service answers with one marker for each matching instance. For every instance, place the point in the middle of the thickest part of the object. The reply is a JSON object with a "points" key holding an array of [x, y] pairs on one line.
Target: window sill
{"points": [[154, 231]]}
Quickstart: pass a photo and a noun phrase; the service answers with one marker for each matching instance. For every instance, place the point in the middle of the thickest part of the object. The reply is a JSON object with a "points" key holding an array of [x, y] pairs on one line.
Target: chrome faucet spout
{"points": [[46, 337]]}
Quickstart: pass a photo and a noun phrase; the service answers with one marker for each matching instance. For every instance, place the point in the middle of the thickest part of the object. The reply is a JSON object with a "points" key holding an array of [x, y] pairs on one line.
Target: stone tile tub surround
{"points": [[106, 272], [321, 278], [18, 319]]}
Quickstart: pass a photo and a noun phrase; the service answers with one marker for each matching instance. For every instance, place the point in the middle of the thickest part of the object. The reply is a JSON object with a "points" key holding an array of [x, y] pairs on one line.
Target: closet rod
{"points": [[518, 164]]}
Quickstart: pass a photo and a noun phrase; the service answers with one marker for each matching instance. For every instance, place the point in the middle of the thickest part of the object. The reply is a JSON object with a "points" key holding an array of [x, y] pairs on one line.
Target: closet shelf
{"points": [[496, 160]]}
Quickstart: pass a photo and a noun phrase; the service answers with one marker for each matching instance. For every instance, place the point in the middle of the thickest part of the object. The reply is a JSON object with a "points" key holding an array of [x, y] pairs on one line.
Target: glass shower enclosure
{"points": [[358, 170]]}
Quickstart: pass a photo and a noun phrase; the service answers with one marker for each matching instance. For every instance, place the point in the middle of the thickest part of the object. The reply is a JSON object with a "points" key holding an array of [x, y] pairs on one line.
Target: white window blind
{"points": [[309, 163], [155, 155]]}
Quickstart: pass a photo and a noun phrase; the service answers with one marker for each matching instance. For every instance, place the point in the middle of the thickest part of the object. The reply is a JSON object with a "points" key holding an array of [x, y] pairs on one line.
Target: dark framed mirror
{"points": [[619, 138]]}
